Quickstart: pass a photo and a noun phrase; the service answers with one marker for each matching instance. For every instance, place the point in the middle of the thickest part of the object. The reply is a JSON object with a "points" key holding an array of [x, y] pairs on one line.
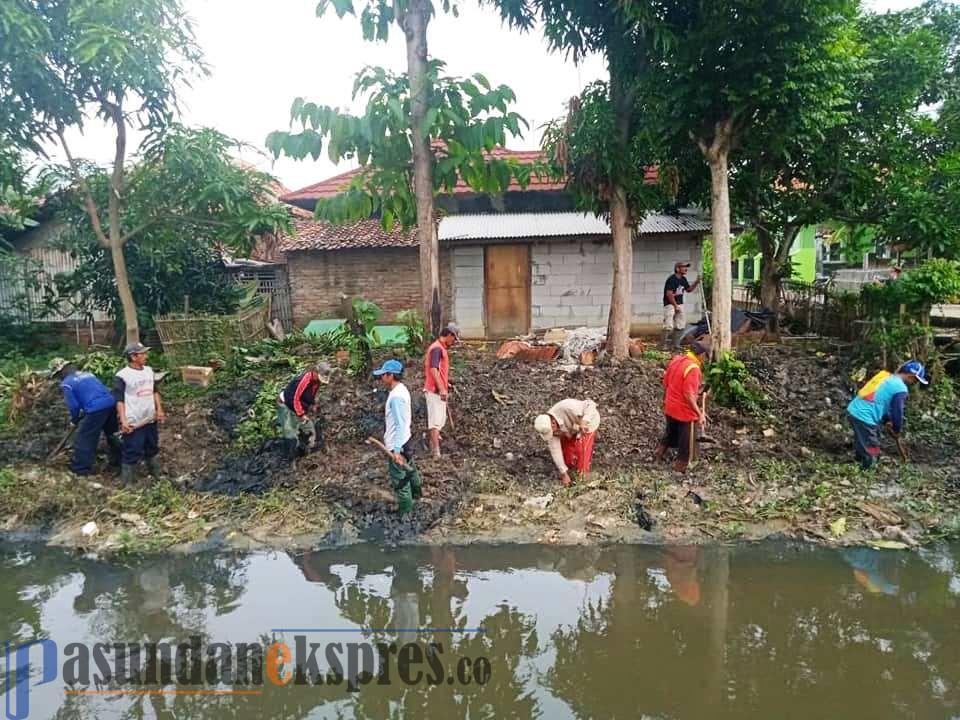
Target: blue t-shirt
{"points": [[82, 391], [886, 402]]}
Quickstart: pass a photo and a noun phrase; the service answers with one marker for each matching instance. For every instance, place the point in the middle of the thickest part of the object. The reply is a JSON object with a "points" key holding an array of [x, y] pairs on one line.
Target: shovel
{"points": [[373, 441], [62, 444]]}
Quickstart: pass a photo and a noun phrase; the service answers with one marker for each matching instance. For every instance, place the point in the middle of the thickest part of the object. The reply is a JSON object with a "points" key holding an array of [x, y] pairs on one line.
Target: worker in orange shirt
{"points": [[682, 406]]}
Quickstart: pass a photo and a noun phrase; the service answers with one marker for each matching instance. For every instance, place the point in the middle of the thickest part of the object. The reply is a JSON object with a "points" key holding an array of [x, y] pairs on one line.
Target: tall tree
{"points": [[601, 148], [412, 17], [418, 134], [734, 71], [121, 61], [186, 200], [867, 162]]}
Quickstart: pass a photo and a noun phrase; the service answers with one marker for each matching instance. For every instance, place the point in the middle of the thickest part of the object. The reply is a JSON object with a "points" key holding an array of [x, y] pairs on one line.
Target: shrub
{"points": [[415, 331], [732, 385]]}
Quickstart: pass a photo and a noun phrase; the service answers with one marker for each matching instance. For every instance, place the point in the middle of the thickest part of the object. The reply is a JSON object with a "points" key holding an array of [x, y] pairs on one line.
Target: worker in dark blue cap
{"points": [[882, 401]]}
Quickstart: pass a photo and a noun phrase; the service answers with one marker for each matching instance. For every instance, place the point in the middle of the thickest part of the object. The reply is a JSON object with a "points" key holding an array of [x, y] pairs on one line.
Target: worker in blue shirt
{"points": [[94, 409], [882, 401]]}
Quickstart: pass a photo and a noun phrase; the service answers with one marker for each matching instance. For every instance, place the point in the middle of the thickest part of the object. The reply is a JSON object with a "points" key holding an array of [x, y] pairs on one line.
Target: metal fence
{"points": [[28, 290]]}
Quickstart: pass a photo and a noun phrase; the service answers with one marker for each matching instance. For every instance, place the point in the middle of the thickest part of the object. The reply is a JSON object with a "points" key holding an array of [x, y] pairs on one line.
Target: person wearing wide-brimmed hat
{"points": [[138, 411], [397, 438], [92, 409], [295, 404]]}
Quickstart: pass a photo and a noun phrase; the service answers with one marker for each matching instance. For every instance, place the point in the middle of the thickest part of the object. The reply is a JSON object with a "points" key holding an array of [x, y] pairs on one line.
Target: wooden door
{"points": [[506, 273]]}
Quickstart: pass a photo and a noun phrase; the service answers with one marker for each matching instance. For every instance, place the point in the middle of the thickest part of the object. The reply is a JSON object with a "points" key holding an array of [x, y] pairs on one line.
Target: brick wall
{"points": [[390, 277], [571, 282]]}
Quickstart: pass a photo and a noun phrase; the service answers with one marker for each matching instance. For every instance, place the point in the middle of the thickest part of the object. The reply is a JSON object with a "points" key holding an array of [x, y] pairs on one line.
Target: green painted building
{"points": [[746, 269]]}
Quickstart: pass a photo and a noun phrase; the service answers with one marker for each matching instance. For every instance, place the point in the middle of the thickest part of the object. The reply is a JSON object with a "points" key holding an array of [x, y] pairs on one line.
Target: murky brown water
{"points": [[767, 631]]}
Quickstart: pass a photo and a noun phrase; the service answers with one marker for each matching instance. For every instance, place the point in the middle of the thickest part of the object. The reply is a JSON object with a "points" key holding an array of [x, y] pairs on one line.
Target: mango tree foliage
{"points": [[468, 118], [65, 61], [744, 72], [602, 148], [186, 201], [877, 163], [20, 198]]}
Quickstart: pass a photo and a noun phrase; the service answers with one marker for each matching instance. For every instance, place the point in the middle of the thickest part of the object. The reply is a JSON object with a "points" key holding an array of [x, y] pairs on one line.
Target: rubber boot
{"points": [[128, 475], [660, 452], [665, 340], [153, 466], [677, 334]]}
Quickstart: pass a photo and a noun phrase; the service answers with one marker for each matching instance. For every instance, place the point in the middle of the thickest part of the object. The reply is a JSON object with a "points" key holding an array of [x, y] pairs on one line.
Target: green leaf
{"points": [[888, 545]]}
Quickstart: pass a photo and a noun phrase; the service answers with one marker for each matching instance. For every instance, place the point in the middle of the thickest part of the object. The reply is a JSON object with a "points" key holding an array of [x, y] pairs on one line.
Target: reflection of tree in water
{"points": [[425, 600], [160, 599], [645, 648], [39, 575]]}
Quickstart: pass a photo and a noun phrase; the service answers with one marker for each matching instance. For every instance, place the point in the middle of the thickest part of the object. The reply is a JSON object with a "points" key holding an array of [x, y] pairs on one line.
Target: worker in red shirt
{"points": [[682, 406], [436, 383], [296, 402]]}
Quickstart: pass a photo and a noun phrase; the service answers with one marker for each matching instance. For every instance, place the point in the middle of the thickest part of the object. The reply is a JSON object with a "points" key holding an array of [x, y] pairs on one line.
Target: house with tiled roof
{"points": [[512, 263]]}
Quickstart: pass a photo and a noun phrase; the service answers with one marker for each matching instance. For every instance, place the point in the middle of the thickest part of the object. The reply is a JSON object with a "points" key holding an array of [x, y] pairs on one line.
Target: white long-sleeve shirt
{"points": [[397, 414], [573, 417]]}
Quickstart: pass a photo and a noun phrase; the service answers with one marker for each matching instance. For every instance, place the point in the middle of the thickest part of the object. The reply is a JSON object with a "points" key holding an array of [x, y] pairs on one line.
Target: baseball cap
{"points": [[915, 367], [454, 329], [701, 347], [134, 348], [678, 265], [394, 367]]}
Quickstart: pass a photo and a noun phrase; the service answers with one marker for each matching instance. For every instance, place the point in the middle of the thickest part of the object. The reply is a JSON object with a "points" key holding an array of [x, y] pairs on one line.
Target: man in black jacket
{"points": [[673, 290]]}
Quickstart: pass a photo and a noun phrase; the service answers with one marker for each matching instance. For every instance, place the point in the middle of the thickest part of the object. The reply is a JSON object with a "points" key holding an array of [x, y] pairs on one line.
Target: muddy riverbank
{"points": [[785, 471]]}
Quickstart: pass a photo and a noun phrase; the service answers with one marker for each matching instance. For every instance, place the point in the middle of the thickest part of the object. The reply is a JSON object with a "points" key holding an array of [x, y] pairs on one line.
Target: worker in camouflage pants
{"points": [[404, 476]]}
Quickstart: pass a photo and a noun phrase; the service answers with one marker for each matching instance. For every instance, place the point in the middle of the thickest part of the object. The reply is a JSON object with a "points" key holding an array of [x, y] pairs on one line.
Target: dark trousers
{"points": [[866, 441], [681, 435], [87, 437], [144, 442]]}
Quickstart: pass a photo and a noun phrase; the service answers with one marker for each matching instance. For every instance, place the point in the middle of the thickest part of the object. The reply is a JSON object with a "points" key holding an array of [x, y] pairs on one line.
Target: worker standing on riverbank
{"points": [[436, 383], [570, 428], [295, 404], [682, 406], [882, 401], [93, 410], [673, 290], [404, 476], [138, 411]]}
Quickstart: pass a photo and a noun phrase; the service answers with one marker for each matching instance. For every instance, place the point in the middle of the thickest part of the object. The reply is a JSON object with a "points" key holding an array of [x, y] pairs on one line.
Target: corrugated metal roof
{"points": [[531, 225]]}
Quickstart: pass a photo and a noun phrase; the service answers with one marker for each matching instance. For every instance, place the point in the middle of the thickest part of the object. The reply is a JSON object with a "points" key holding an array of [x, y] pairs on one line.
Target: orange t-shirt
{"points": [[683, 377], [429, 384]]}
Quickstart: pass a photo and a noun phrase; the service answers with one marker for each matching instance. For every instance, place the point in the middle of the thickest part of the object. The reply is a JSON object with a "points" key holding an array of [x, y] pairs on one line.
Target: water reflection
{"points": [[677, 632]]}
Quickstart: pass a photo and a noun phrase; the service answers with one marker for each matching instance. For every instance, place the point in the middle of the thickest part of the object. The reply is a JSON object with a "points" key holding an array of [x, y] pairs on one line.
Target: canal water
{"points": [[756, 631]]}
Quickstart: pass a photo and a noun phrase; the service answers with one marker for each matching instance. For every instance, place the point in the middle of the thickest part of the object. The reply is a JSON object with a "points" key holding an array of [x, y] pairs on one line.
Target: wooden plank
{"points": [[507, 289]]}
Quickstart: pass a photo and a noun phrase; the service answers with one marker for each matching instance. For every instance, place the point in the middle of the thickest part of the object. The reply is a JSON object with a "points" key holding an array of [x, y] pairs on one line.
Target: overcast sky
{"points": [[264, 54]]}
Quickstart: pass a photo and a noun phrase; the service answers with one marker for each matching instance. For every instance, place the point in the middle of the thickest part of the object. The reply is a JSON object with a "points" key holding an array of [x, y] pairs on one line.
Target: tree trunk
{"points": [[720, 232], [621, 299], [774, 258], [622, 94], [114, 201], [414, 23]]}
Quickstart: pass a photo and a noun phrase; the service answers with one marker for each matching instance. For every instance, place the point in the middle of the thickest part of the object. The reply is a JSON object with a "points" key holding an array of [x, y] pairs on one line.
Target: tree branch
{"points": [[88, 200]]}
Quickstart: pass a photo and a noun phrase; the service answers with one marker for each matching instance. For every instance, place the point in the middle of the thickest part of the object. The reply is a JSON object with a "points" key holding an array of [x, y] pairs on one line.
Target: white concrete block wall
{"points": [[571, 282], [468, 290]]}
